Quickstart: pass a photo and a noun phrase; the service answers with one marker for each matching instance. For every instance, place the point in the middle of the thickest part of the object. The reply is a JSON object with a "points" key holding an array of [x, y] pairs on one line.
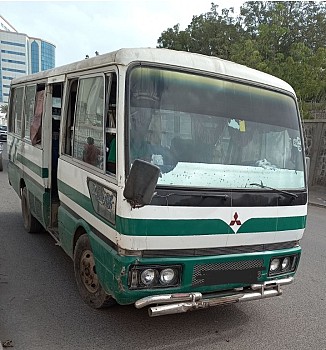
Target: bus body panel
{"points": [[187, 228], [26, 166], [113, 270]]}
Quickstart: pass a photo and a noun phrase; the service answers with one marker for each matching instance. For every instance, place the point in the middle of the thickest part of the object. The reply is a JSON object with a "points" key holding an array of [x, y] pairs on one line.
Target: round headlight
{"points": [[275, 264], [167, 276], [285, 263], [147, 276]]}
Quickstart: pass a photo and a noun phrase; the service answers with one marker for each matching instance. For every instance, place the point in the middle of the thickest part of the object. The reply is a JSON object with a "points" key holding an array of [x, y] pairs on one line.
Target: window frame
{"points": [[112, 131], [13, 120], [79, 78], [26, 135]]}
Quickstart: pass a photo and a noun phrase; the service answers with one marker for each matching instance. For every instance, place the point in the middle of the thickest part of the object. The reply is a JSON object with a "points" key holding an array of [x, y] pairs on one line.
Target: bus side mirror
{"points": [[141, 182], [307, 167]]}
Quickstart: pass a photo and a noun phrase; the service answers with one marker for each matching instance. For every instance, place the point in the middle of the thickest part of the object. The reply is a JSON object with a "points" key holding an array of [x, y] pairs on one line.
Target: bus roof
{"points": [[199, 62]]}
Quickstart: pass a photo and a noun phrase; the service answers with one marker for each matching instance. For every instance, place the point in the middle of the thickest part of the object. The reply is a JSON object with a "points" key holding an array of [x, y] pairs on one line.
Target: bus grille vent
{"points": [[232, 272]]}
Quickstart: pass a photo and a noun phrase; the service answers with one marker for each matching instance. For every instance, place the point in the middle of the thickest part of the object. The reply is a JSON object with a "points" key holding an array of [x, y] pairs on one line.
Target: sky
{"points": [[79, 28]]}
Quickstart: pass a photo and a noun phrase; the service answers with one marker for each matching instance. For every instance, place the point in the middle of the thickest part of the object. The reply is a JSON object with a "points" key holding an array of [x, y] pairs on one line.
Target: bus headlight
{"points": [[274, 266], [167, 276], [154, 276], [147, 277], [283, 264]]}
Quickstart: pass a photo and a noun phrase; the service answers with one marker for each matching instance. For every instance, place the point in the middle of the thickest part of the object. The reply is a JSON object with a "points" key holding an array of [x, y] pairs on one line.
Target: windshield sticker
{"points": [[242, 125], [234, 124], [297, 144]]}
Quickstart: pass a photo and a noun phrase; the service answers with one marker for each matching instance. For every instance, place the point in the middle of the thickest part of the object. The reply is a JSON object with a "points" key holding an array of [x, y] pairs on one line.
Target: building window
{"points": [[11, 43], [14, 52], [47, 56], [14, 70], [12, 61], [7, 78], [35, 57]]}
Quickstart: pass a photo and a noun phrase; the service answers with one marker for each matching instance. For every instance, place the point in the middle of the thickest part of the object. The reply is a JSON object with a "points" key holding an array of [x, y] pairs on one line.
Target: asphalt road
{"points": [[41, 309]]}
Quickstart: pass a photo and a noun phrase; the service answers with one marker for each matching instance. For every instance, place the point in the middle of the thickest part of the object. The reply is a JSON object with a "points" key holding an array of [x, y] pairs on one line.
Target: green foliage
{"points": [[286, 39], [210, 34]]}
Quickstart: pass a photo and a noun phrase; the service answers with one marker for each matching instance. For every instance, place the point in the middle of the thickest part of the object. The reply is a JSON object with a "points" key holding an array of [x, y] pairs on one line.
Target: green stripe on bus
{"points": [[162, 227], [76, 196], [159, 227], [273, 224], [150, 227], [42, 172]]}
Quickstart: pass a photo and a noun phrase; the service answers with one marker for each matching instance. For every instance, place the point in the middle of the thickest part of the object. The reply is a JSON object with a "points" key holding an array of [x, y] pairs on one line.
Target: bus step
{"points": [[55, 234]]}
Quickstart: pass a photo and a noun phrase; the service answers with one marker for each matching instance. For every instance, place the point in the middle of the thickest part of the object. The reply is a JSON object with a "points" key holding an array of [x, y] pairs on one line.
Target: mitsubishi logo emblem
{"points": [[235, 220]]}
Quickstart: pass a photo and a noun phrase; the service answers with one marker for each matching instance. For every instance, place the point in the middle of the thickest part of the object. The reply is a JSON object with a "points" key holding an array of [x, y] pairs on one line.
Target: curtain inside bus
{"points": [[36, 125]]}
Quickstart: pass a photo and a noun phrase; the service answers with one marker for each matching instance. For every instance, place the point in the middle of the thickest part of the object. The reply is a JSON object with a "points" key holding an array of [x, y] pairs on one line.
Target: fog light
{"points": [[285, 263], [147, 276], [167, 276], [275, 264]]}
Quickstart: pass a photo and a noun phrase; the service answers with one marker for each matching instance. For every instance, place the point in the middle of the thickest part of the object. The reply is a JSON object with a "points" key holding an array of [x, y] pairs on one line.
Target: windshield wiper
{"points": [[261, 185], [189, 193]]}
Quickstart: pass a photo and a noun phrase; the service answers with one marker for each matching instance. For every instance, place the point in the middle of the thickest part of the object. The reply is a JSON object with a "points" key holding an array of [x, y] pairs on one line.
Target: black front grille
{"points": [[232, 272], [257, 248]]}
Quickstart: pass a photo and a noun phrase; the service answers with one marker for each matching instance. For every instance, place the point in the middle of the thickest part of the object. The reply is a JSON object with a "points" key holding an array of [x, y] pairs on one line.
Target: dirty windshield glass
{"points": [[211, 133]]}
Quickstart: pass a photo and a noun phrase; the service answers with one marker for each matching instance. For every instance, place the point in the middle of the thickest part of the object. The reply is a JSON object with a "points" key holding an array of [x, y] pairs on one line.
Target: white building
{"points": [[20, 55]]}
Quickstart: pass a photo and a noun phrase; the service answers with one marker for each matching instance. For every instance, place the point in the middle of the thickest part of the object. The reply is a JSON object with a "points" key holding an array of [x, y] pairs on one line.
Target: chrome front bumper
{"points": [[183, 302]]}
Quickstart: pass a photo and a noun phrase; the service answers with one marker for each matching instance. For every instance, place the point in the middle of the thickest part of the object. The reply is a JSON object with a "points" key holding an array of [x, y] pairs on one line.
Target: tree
{"points": [[211, 34], [286, 39], [285, 34], [175, 39], [280, 24], [247, 52]]}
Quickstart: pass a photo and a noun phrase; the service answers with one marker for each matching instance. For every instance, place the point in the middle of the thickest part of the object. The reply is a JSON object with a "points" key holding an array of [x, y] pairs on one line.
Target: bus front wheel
{"points": [[88, 284], [31, 224]]}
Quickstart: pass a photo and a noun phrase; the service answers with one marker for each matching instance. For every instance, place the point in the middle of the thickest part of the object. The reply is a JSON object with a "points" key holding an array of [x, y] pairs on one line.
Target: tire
{"points": [[31, 224], [88, 284], [1, 165]]}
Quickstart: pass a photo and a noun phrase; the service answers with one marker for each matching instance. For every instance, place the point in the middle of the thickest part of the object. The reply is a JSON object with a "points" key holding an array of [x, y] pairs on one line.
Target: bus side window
{"points": [[16, 107], [88, 137], [36, 124], [70, 116], [111, 131], [29, 107]]}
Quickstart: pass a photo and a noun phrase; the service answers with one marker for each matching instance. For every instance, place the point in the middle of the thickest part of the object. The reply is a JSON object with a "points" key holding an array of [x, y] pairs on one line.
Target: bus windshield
{"points": [[211, 133]]}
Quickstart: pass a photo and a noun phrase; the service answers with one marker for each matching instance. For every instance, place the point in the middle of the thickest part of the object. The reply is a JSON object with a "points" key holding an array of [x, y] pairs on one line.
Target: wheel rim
{"points": [[88, 272]]}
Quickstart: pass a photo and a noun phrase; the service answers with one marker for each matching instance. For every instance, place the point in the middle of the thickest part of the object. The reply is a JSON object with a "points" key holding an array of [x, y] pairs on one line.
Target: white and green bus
{"points": [[173, 180]]}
